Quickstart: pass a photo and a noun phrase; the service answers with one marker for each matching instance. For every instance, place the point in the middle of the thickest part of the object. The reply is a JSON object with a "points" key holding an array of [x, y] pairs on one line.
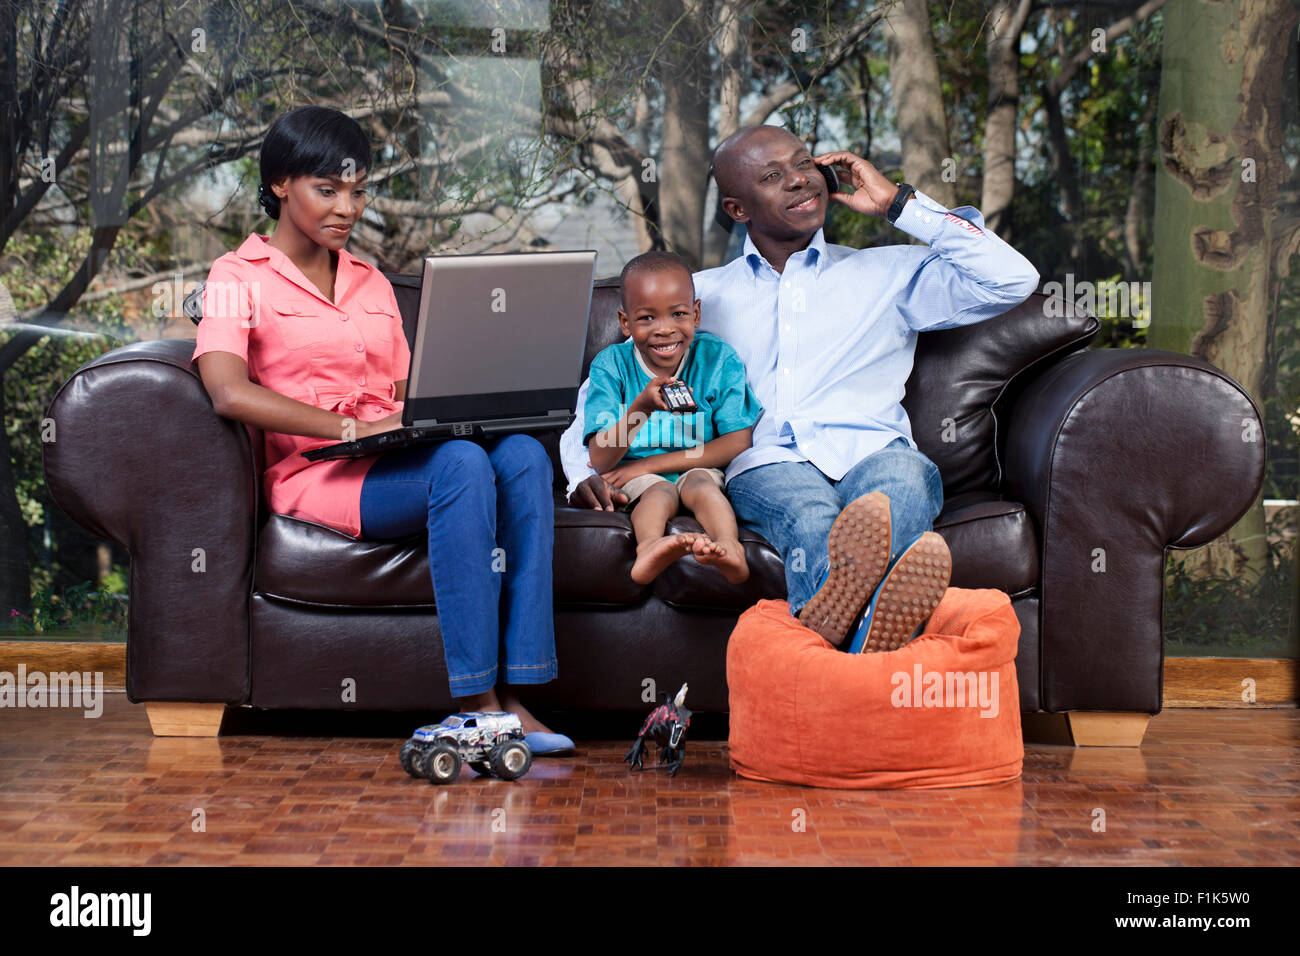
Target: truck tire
{"points": [[511, 759], [442, 764]]}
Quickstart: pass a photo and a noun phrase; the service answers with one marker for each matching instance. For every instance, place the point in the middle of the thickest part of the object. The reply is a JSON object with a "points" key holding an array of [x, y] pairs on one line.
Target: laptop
{"points": [[499, 342]]}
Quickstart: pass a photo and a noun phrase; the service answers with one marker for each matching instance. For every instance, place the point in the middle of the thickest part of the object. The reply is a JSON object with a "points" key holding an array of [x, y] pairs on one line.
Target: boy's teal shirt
{"points": [[716, 377]]}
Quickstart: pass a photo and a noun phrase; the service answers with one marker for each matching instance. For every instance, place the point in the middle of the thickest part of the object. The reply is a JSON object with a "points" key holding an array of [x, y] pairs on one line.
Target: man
{"points": [[827, 334]]}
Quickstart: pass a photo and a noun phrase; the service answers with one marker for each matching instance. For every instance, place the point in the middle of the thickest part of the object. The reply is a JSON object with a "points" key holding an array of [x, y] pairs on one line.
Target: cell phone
{"points": [[832, 180], [192, 305], [678, 397]]}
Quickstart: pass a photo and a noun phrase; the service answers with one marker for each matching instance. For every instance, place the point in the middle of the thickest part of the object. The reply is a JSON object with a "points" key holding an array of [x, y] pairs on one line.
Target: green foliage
{"points": [[1220, 614], [1281, 404], [1103, 110], [88, 612], [1119, 330], [29, 386], [33, 262]]}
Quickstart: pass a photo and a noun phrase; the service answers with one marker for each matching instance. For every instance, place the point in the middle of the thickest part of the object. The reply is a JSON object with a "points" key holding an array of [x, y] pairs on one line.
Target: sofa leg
{"points": [[1107, 729], [184, 719]]}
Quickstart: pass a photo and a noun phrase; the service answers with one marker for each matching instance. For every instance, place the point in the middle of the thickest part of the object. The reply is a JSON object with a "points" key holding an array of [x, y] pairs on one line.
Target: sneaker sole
{"points": [[909, 594], [858, 546]]}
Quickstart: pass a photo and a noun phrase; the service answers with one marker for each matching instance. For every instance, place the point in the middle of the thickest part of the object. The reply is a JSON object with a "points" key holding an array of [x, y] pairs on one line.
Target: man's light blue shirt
{"points": [[828, 343]]}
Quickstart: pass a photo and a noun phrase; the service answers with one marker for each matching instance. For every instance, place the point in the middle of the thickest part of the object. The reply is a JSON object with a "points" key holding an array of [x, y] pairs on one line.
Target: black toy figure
{"points": [[666, 726]]}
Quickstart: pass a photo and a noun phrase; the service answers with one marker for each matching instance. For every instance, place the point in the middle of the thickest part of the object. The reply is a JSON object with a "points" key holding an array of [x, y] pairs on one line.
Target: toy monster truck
{"points": [[490, 742]]}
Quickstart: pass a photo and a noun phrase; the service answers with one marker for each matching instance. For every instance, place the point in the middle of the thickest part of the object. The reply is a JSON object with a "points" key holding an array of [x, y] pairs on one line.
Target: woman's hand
{"points": [[387, 424]]}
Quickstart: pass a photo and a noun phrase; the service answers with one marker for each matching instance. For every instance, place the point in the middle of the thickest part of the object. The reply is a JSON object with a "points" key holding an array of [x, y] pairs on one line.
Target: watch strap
{"points": [[904, 193]]}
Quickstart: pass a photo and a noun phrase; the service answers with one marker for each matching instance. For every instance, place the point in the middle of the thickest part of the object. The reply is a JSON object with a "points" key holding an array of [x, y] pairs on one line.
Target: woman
{"points": [[304, 341]]}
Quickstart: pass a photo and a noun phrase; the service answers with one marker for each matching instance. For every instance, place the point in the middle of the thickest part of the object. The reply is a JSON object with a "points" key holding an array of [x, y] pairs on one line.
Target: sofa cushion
{"points": [[310, 563], [993, 543], [959, 375], [594, 551], [941, 711], [688, 584]]}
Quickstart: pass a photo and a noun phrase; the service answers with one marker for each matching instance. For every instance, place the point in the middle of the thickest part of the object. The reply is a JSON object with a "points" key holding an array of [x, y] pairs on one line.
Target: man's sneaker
{"points": [[906, 598], [859, 553]]}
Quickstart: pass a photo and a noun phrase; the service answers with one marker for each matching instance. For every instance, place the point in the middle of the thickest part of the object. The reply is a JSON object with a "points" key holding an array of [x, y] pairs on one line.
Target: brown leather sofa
{"points": [[1054, 459]]}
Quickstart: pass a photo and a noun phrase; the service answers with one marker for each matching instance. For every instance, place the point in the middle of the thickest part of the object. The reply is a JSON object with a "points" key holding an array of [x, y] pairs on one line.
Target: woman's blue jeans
{"points": [[490, 517], [793, 505]]}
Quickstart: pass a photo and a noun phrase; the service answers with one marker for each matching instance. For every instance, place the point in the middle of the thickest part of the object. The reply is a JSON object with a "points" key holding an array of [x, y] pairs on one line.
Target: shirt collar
{"points": [[677, 373], [816, 252], [257, 248]]}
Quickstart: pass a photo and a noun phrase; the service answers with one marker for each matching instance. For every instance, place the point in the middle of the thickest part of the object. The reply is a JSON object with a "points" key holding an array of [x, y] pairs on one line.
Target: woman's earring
{"points": [[268, 201]]}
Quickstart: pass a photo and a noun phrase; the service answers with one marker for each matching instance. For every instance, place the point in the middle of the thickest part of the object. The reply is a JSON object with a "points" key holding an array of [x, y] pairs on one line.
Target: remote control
{"points": [[678, 398]]}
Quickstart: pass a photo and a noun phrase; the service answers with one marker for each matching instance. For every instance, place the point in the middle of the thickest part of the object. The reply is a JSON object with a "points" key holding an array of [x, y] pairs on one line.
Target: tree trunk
{"points": [[918, 101], [15, 573], [9, 163], [1139, 200], [1005, 23], [683, 71], [732, 40], [1221, 166], [1067, 182]]}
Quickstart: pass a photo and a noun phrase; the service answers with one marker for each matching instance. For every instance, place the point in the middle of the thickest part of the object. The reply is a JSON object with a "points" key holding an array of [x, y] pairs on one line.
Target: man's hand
{"points": [[597, 493], [874, 193]]}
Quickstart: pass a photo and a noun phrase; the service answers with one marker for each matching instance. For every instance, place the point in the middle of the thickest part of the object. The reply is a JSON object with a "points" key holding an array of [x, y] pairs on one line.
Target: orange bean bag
{"points": [[941, 711]]}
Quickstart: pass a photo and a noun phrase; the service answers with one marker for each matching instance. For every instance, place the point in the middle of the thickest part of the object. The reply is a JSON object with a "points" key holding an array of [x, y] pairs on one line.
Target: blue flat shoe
{"points": [[548, 745]]}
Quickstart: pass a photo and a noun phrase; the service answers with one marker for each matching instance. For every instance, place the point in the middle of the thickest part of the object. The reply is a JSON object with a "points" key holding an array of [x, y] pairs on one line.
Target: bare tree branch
{"points": [[783, 93]]}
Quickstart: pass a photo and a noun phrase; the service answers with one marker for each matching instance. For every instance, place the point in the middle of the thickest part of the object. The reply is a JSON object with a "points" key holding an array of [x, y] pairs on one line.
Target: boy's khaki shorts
{"points": [[637, 486]]}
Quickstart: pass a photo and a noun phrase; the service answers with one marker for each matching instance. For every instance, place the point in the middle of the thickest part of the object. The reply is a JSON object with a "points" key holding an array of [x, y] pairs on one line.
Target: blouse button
{"points": [[360, 347], [344, 317]]}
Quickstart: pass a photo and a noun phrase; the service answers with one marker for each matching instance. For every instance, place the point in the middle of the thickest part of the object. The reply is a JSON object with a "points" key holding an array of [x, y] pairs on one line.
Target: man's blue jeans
{"points": [[490, 517], [793, 505]]}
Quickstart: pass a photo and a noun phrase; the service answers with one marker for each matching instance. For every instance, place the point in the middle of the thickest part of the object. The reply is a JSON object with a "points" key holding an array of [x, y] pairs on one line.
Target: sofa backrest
{"points": [[960, 377]]}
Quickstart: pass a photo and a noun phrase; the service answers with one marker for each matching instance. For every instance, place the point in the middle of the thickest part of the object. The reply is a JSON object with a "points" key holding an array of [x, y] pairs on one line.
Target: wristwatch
{"points": [[905, 191]]}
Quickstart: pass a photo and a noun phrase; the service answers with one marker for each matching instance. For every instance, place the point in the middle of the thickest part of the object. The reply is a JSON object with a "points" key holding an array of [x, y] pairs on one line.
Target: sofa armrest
{"points": [[1119, 454], [140, 457]]}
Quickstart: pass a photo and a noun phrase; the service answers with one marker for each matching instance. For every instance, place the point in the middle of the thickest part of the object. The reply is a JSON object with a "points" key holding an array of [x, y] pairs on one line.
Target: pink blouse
{"points": [[344, 356]]}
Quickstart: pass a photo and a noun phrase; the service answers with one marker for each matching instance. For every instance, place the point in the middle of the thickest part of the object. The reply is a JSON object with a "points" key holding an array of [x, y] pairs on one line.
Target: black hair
{"points": [[310, 141], [654, 261]]}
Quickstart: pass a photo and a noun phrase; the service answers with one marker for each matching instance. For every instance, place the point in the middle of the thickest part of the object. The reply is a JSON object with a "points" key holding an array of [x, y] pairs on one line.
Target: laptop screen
{"points": [[499, 335]]}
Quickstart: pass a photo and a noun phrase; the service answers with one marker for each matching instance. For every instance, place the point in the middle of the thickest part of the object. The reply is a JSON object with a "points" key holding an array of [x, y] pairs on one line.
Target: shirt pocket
{"points": [[377, 328], [299, 328]]}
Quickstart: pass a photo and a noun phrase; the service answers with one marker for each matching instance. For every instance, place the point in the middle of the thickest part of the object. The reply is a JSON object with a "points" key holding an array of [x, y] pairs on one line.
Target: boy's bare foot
{"points": [[728, 557], [653, 557]]}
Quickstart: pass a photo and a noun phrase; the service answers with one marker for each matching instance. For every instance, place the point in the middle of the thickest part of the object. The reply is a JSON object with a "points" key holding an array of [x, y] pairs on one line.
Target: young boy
{"points": [[664, 460]]}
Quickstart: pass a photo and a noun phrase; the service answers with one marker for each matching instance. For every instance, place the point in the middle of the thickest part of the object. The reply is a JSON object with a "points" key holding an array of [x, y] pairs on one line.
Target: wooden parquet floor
{"points": [[1208, 787]]}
